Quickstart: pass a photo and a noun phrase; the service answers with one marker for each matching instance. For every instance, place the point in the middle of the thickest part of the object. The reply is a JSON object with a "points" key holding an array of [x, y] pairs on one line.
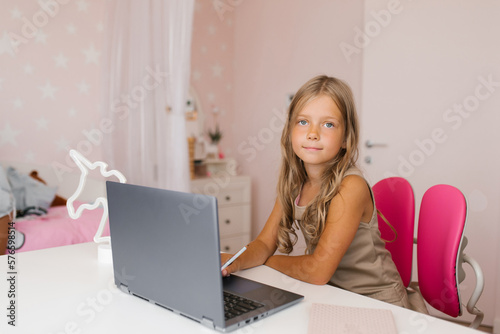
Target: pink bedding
{"points": [[57, 228]]}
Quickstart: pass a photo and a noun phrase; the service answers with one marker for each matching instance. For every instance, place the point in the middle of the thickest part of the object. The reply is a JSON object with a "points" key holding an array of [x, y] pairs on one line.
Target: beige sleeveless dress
{"points": [[367, 267]]}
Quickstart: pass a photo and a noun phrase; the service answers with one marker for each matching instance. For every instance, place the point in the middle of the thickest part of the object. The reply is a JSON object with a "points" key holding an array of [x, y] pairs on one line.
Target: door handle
{"points": [[369, 143]]}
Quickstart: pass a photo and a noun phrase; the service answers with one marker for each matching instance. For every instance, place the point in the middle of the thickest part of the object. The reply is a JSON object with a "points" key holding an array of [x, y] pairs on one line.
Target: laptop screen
{"points": [[165, 247]]}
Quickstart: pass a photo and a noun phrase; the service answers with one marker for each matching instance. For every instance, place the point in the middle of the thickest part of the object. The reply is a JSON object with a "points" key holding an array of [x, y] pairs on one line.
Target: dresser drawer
{"points": [[234, 190], [232, 245], [232, 195], [234, 219], [234, 202]]}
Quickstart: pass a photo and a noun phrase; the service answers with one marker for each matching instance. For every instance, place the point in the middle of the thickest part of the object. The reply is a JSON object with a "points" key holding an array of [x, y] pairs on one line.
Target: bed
{"points": [[55, 227]]}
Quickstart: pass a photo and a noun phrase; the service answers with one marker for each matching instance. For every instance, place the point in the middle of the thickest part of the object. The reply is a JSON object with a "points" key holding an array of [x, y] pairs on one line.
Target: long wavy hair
{"points": [[293, 174]]}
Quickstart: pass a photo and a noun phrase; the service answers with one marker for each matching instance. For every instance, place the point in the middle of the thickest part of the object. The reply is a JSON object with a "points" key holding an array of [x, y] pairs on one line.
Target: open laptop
{"points": [[165, 247]]}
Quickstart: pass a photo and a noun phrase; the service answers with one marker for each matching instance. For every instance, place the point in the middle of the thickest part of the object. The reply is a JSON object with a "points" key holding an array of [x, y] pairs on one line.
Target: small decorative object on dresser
{"points": [[213, 147], [233, 199]]}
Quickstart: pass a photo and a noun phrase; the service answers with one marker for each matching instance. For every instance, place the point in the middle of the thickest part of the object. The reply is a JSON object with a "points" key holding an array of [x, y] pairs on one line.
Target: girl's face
{"points": [[318, 132]]}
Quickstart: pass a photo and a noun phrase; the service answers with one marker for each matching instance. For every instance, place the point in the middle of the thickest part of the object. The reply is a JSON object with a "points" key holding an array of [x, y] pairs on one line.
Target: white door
{"points": [[430, 108]]}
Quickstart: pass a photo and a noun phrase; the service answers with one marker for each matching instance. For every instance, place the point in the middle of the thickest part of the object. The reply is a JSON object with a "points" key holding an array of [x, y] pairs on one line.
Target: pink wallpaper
{"points": [[50, 81], [247, 56], [49, 78], [212, 64]]}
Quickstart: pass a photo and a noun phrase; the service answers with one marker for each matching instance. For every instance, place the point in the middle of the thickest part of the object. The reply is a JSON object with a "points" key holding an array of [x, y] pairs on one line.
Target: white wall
{"points": [[496, 322], [280, 44], [430, 58]]}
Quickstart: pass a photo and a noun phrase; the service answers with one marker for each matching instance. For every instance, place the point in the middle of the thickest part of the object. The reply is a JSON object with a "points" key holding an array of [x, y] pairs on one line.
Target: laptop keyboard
{"points": [[236, 305]]}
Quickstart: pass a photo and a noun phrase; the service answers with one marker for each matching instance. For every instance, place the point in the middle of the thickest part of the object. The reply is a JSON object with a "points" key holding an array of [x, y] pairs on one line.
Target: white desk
{"points": [[66, 290]]}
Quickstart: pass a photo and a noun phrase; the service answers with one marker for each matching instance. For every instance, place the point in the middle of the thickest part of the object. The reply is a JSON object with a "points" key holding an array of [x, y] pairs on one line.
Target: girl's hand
{"points": [[224, 257], [260, 249]]}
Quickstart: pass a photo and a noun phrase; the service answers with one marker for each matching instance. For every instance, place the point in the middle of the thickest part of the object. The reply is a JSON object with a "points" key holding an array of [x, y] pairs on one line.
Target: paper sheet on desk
{"points": [[333, 319]]}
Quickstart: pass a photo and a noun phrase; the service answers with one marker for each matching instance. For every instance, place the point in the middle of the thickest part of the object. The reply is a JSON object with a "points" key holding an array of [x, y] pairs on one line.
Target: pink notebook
{"points": [[333, 319]]}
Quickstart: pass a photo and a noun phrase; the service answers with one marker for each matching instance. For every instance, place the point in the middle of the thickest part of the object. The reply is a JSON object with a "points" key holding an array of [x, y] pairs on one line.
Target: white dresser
{"points": [[233, 197]]}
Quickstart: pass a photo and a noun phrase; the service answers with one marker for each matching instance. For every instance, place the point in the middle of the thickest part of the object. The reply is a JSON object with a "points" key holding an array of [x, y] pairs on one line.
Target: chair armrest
{"points": [[478, 290]]}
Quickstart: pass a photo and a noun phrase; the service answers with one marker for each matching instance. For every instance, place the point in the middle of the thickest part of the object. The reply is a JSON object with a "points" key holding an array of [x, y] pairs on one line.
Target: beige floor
{"points": [[485, 329]]}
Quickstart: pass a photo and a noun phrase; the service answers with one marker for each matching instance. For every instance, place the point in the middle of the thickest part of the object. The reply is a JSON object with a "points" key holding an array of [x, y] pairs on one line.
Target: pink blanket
{"points": [[57, 228]]}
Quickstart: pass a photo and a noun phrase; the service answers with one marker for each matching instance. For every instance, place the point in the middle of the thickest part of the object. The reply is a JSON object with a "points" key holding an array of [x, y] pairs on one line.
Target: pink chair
{"points": [[395, 202], [440, 245]]}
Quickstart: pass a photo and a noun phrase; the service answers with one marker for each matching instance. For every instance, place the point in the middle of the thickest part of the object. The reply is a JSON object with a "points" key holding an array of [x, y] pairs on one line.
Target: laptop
{"points": [[165, 247]]}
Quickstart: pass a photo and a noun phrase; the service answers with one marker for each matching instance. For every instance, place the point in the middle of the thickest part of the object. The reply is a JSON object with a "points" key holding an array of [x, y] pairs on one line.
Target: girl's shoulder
{"points": [[354, 171], [354, 180]]}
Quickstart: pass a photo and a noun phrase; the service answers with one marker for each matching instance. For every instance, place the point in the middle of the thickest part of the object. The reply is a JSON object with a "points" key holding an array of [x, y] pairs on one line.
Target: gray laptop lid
{"points": [[165, 248]]}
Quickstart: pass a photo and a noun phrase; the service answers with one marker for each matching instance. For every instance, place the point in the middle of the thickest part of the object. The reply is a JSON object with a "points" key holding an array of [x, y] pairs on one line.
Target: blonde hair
{"points": [[293, 175]]}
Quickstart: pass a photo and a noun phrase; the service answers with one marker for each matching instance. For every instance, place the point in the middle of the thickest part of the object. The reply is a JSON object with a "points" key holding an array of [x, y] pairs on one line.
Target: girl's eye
{"points": [[329, 125], [302, 122]]}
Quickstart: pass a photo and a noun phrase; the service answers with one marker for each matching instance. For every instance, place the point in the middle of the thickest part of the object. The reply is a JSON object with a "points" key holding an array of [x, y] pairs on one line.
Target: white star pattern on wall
{"points": [[28, 69], [54, 74], [42, 123], [62, 144], [83, 5], [29, 156], [18, 103], [71, 29], [49, 77], [217, 70], [211, 54], [8, 135], [212, 30], [61, 61], [91, 55], [16, 13], [6, 45], [83, 88], [196, 75], [72, 112], [48, 91], [41, 37]]}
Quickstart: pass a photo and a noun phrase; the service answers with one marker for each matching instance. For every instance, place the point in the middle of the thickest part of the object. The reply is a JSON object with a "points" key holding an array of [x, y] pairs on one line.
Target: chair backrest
{"points": [[394, 198], [441, 224]]}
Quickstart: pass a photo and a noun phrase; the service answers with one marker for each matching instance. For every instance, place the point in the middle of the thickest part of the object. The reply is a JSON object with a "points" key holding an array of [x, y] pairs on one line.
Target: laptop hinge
{"points": [[208, 323], [124, 288]]}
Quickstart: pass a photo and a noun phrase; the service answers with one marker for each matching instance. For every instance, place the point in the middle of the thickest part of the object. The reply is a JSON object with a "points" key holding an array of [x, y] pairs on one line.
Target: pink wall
{"points": [[212, 64], [50, 86], [246, 57]]}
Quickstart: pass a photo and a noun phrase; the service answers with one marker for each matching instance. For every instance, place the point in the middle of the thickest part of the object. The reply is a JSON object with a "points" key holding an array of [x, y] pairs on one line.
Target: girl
{"points": [[322, 193]]}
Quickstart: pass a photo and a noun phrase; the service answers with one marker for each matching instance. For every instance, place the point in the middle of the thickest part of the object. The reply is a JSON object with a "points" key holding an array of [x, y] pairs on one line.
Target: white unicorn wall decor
{"points": [[85, 165]]}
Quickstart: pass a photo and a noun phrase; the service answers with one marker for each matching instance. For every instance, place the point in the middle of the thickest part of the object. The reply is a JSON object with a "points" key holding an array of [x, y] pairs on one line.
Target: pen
{"points": [[231, 260]]}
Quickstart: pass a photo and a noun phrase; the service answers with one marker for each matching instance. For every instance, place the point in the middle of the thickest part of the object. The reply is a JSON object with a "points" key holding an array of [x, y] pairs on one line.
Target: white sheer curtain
{"points": [[146, 79]]}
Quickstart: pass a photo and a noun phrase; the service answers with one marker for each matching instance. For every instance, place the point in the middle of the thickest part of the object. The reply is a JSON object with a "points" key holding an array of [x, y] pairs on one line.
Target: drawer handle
{"points": [[228, 198], [227, 248], [228, 221]]}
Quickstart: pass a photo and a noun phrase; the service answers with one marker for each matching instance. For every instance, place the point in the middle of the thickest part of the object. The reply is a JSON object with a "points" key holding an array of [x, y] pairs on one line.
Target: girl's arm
{"points": [[347, 209], [259, 250]]}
